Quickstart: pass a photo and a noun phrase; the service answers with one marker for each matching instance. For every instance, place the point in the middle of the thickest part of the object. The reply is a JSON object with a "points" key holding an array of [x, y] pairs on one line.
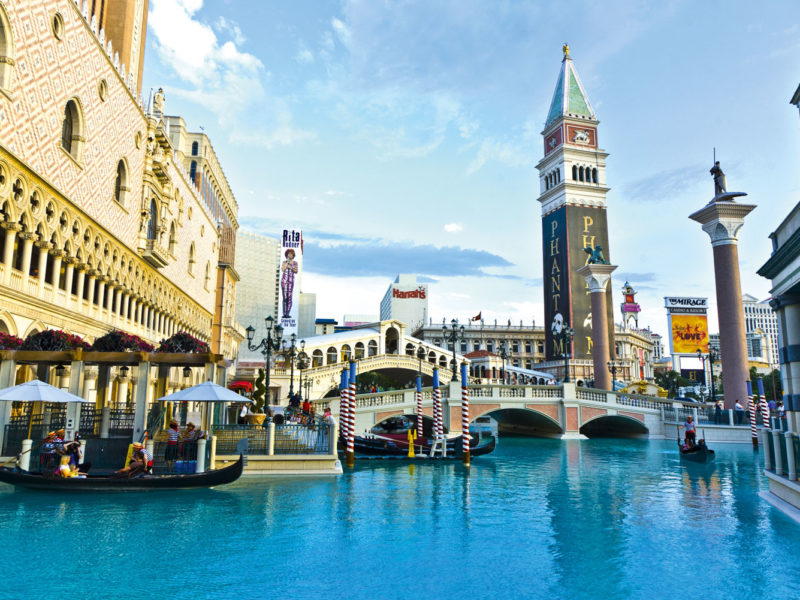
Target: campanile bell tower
{"points": [[572, 178]]}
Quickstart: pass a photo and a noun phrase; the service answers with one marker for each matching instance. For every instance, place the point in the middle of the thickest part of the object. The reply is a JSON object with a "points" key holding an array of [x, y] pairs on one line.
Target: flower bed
{"points": [[10, 342], [183, 342], [119, 341], [51, 340]]}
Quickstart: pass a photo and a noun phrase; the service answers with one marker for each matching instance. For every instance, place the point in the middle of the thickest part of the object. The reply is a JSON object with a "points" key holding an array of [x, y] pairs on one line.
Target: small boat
{"points": [[699, 453], [389, 437], [38, 481]]}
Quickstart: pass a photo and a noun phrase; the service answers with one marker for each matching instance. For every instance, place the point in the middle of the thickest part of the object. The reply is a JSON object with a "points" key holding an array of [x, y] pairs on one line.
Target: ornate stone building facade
{"points": [[103, 227]]}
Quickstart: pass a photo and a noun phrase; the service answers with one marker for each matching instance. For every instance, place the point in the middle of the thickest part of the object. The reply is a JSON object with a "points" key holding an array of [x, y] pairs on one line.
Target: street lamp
{"points": [[421, 355], [712, 356], [292, 353], [266, 345], [565, 337], [302, 363], [453, 336], [613, 365], [503, 353]]}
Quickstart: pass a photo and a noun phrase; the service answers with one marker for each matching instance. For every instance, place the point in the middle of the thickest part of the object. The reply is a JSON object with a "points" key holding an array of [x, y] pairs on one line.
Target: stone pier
{"points": [[597, 277]]}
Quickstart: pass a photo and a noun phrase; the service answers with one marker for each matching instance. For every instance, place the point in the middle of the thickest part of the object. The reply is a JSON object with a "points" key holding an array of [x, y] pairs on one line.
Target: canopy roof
{"points": [[206, 392], [39, 391]]}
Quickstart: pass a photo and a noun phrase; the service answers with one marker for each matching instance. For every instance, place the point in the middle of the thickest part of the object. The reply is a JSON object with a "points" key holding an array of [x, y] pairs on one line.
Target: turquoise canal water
{"points": [[537, 519]]}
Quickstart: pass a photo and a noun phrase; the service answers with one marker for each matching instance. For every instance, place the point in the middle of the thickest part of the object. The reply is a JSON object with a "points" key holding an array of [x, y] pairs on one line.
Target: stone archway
{"points": [[614, 426], [391, 341], [522, 422]]}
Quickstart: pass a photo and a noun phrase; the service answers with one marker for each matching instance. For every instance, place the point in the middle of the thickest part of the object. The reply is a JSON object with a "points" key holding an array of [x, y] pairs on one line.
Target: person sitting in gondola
{"points": [[67, 470], [141, 462], [75, 453], [689, 435]]}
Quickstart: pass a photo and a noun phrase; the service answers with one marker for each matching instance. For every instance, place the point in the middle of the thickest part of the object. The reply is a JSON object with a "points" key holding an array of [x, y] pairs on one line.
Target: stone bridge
{"points": [[560, 411]]}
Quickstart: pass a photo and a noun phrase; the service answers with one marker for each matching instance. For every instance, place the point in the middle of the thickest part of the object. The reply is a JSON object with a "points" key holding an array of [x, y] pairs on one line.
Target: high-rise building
{"points": [[257, 263], [573, 198], [407, 301], [760, 315]]}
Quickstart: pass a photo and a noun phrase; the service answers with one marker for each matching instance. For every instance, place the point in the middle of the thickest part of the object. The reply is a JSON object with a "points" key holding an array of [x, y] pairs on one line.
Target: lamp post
{"points": [[421, 355], [712, 356], [302, 363], [613, 365], [565, 337], [266, 345], [453, 335], [503, 353], [292, 353]]}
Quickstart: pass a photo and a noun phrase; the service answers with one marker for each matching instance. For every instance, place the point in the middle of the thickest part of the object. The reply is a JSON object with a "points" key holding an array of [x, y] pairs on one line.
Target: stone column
{"points": [[44, 248], [8, 252], [787, 309], [722, 218], [90, 297], [117, 301], [597, 278], [68, 277], [122, 391], [81, 278], [57, 260], [101, 293], [27, 252]]}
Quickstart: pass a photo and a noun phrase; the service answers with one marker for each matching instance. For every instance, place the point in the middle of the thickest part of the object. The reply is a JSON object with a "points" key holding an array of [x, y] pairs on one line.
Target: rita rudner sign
{"points": [[418, 293]]}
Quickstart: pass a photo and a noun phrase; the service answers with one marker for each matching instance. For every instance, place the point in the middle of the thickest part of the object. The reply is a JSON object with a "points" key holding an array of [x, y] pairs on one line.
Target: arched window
{"points": [[332, 355], [193, 172], [194, 149], [372, 348], [346, 353], [410, 349], [208, 274], [558, 175], [594, 175], [580, 174], [359, 350], [152, 226], [574, 173], [6, 51], [316, 358], [191, 259], [72, 130], [173, 238], [121, 183]]}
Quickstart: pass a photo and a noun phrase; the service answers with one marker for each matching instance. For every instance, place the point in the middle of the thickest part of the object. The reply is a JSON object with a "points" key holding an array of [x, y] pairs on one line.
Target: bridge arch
{"points": [[614, 426], [523, 421], [391, 340]]}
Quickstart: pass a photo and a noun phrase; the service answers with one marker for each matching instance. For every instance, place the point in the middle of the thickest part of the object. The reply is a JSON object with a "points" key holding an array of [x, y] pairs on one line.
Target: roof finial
{"points": [[565, 48]]}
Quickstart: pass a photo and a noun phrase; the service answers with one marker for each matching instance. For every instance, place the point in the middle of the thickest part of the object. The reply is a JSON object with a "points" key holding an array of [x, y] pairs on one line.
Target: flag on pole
{"points": [[476, 317]]}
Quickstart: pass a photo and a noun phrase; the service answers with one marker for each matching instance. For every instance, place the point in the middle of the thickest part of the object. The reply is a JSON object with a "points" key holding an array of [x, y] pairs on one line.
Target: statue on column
{"points": [[720, 185], [595, 256]]}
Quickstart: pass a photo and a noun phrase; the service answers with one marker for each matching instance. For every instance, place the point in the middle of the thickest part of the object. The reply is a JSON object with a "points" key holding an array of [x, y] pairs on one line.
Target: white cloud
{"points": [[453, 227], [221, 77], [508, 152], [304, 56], [342, 31]]}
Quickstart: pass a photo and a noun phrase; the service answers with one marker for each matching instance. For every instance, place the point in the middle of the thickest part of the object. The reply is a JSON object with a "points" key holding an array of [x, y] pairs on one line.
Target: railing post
{"points": [[776, 442], [765, 443], [730, 416], [212, 458], [105, 421], [790, 457], [270, 439], [333, 431], [25, 459], [694, 416], [201, 456]]}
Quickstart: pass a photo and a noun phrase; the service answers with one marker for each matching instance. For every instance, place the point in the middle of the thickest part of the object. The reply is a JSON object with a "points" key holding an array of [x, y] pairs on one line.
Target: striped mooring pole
{"points": [[420, 427], [437, 406], [752, 408], [464, 415], [344, 407], [351, 426], [763, 402]]}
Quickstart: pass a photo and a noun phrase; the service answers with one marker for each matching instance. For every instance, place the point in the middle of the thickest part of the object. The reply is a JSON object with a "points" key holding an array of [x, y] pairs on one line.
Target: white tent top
{"points": [[206, 392], [38, 391]]}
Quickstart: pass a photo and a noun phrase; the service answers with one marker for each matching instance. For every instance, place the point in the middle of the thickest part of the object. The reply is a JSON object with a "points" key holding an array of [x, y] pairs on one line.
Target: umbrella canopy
{"points": [[206, 392], [38, 391]]}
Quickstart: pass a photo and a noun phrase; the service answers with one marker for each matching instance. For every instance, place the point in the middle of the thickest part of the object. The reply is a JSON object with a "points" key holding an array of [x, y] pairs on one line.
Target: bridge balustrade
{"points": [[591, 396]]}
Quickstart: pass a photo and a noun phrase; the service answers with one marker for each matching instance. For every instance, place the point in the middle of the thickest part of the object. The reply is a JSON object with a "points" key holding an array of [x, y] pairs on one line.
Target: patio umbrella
{"points": [[39, 391], [206, 392]]}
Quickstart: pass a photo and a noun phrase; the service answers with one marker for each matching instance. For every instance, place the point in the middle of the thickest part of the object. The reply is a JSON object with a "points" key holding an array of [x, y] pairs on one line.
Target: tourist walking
{"points": [[171, 453], [718, 412]]}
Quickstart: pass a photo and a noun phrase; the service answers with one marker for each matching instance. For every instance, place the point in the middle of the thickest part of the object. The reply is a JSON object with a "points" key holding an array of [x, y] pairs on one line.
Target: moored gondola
{"points": [[37, 481], [699, 453]]}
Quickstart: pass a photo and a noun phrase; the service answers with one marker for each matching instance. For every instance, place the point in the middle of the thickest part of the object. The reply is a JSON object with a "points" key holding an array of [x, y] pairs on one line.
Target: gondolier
{"points": [[690, 434]]}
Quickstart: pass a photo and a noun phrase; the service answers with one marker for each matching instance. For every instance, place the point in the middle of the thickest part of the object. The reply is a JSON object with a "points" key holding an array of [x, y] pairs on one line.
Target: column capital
{"points": [[596, 276], [58, 253], [43, 245], [28, 235], [10, 226], [722, 220]]}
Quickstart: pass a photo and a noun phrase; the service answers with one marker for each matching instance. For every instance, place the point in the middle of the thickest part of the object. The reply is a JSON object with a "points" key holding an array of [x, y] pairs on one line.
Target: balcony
{"points": [[155, 254]]}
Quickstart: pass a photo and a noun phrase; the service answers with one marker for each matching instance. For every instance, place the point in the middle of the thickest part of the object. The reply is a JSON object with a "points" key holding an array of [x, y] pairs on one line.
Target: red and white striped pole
{"points": [[464, 415], [420, 421], [437, 406], [763, 402], [752, 408], [344, 409], [351, 431]]}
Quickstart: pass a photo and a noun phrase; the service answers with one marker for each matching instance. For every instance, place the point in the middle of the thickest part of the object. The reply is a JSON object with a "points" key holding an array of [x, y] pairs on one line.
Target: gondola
{"points": [[381, 446], [699, 453], [37, 481]]}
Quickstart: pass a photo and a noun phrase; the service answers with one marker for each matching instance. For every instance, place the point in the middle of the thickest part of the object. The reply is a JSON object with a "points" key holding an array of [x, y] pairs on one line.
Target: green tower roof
{"points": [[569, 99]]}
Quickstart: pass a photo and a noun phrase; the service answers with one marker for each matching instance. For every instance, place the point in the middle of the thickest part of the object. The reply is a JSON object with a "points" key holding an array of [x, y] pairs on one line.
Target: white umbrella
{"points": [[206, 392], [38, 391]]}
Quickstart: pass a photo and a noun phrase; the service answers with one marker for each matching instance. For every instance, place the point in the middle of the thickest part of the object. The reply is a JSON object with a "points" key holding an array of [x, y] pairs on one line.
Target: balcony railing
{"points": [[155, 254]]}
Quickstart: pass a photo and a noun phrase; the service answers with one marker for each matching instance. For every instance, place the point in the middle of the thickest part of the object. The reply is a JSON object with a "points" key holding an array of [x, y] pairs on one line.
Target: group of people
{"points": [[63, 459], [776, 409], [180, 444]]}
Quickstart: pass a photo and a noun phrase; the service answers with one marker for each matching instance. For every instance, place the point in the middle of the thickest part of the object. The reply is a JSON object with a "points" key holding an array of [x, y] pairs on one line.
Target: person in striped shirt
{"points": [[171, 453]]}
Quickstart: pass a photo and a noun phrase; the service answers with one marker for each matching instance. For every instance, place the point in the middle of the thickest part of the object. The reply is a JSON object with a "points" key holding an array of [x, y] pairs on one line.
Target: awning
{"points": [[241, 385]]}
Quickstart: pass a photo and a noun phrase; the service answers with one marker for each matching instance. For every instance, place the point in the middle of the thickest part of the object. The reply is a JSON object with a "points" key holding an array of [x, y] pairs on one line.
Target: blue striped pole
{"points": [[420, 421], [437, 406], [344, 403], [350, 456], [752, 408], [763, 402]]}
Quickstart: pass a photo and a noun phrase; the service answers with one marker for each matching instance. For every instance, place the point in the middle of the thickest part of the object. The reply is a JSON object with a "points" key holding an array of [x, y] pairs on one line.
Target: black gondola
{"points": [[37, 481], [699, 453], [378, 446]]}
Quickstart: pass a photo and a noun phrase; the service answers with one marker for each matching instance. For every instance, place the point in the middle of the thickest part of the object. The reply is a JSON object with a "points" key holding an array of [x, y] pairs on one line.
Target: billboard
{"points": [[565, 233], [291, 268], [689, 333]]}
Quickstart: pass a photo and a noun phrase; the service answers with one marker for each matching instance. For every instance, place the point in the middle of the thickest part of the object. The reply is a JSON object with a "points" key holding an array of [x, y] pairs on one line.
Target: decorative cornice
{"points": [[722, 220]]}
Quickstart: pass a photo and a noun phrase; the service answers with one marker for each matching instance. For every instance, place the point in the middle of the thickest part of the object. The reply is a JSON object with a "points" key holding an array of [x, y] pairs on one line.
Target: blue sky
{"points": [[403, 136]]}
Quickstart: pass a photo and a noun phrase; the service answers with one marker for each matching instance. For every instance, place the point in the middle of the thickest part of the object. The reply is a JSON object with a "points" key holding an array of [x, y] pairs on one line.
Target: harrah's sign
{"points": [[417, 293]]}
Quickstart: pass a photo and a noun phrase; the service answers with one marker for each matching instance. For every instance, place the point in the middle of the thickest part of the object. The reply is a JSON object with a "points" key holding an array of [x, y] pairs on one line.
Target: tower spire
{"points": [[569, 98]]}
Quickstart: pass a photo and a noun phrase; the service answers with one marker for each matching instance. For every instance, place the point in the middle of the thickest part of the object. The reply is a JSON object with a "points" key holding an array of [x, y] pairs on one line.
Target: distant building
{"points": [[406, 301], [325, 326], [362, 319], [760, 316], [257, 263], [306, 326]]}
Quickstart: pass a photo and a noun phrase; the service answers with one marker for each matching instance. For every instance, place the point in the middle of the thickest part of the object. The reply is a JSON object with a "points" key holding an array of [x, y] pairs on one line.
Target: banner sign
{"points": [[291, 268], [694, 375], [679, 305], [689, 334]]}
